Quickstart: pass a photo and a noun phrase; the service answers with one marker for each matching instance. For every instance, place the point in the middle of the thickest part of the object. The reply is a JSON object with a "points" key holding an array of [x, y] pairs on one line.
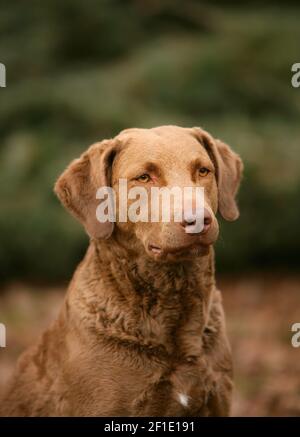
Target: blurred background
{"points": [[78, 72]]}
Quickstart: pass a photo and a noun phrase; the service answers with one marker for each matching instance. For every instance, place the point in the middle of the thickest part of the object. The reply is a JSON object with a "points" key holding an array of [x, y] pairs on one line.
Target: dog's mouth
{"points": [[155, 249], [174, 247], [160, 253]]}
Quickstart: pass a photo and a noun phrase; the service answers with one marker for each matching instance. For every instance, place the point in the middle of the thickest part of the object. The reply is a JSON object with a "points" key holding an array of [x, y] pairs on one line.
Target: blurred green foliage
{"points": [[78, 72]]}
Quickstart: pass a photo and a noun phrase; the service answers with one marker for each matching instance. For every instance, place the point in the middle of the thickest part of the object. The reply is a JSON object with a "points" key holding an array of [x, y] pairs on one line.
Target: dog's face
{"points": [[168, 157]]}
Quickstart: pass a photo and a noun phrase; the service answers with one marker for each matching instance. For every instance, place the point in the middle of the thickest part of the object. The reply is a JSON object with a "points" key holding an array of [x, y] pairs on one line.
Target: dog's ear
{"points": [[76, 188], [229, 169]]}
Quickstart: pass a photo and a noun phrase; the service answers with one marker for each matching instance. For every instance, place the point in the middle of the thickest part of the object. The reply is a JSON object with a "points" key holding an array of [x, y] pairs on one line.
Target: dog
{"points": [[141, 331]]}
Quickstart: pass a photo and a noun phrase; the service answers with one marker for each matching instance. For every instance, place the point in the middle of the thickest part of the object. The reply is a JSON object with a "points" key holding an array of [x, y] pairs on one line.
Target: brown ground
{"points": [[260, 311]]}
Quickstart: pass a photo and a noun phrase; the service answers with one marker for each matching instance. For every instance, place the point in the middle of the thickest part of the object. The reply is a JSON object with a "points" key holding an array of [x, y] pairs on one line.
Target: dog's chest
{"points": [[183, 384], [181, 392]]}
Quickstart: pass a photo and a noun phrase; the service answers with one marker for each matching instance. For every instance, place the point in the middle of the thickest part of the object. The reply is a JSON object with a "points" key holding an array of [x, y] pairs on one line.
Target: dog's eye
{"points": [[203, 171], [144, 178]]}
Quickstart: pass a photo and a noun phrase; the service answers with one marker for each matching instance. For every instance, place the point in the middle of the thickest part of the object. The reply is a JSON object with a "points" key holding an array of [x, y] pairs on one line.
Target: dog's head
{"points": [[166, 156]]}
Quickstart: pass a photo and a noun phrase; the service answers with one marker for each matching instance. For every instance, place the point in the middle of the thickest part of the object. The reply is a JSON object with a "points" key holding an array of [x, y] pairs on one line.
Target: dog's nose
{"points": [[190, 222]]}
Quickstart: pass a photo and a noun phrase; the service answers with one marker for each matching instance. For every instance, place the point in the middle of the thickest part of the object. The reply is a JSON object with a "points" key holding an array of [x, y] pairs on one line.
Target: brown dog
{"points": [[141, 331]]}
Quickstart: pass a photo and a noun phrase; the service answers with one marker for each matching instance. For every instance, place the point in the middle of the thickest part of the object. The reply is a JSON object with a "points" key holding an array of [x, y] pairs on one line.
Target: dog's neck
{"points": [[141, 275], [140, 300]]}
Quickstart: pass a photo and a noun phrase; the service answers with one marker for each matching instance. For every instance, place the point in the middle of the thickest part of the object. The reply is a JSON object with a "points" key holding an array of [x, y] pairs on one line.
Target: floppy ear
{"points": [[76, 188], [229, 169]]}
